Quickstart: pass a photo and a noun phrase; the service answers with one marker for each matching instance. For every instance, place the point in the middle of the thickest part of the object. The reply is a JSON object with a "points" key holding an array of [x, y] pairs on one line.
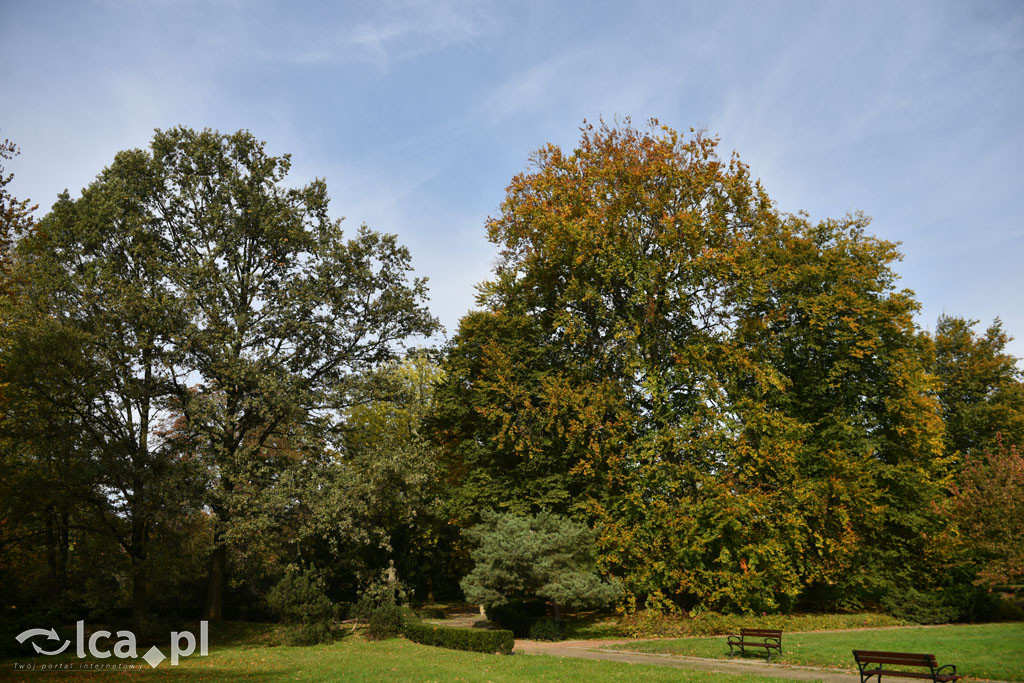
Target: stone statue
{"points": [[392, 572]]}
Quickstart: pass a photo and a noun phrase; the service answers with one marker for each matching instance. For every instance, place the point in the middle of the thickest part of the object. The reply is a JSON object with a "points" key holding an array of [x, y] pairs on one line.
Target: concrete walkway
{"points": [[604, 650]]}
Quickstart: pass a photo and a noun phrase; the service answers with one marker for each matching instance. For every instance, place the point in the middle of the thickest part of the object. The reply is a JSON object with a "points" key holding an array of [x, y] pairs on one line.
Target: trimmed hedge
{"points": [[498, 642]]}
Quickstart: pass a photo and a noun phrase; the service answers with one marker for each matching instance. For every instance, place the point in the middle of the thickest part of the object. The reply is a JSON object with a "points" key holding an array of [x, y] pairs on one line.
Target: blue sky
{"points": [[419, 113]]}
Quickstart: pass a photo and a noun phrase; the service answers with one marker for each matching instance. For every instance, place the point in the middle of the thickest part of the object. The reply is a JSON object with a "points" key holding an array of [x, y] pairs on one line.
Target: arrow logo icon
{"points": [[50, 635]]}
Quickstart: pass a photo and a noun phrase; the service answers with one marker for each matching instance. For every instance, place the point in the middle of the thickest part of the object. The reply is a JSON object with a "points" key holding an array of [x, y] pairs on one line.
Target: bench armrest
{"points": [[777, 641], [735, 639], [951, 672]]}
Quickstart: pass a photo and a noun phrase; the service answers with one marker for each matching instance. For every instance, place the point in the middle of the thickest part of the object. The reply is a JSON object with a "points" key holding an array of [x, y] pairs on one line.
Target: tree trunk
{"points": [[57, 548], [64, 535], [138, 590], [215, 588], [140, 514], [139, 540], [51, 546]]}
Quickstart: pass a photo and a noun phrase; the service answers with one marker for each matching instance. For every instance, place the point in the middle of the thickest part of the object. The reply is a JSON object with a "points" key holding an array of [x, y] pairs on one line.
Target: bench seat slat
{"points": [[898, 660], [870, 654], [904, 674]]}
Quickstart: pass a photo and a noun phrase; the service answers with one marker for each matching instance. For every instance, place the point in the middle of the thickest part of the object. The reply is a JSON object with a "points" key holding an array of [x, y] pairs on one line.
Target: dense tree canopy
{"points": [[987, 510], [196, 295], [672, 393], [982, 388], [737, 396]]}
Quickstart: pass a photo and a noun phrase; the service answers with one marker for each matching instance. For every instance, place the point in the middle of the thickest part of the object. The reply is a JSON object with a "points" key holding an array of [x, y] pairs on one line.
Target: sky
{"points": [[418, 114]]}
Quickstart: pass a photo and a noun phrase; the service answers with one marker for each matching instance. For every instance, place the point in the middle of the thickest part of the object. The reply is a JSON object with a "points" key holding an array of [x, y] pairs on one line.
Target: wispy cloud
{"points": [[411, 29], [418, 112], [381, 33]]}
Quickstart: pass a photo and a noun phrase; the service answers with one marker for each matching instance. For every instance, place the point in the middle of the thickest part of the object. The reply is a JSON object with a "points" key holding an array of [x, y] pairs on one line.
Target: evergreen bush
{"points": [[545, 628], [544, 556], [517, 616], [312, 633], [387, 621], [921, 608], [300, 598], [378, 606]]}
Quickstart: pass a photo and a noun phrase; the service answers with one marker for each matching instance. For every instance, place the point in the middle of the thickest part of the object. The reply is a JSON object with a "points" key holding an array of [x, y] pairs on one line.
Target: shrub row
{"points": [[498, 642], [959, 604], [653, 624]]}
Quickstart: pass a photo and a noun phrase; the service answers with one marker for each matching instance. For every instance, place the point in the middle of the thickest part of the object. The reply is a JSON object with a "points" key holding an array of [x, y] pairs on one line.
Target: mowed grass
{"points": [[354, 659], [979, 651]]}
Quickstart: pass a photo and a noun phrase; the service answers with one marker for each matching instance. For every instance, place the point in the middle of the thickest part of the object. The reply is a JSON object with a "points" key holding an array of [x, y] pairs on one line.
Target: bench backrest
{"points": [[760, 633], [903, 658]]}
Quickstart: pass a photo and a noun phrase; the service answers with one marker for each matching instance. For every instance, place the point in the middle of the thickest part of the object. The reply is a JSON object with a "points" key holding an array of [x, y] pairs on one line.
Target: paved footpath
{"points": [[604, 649]]}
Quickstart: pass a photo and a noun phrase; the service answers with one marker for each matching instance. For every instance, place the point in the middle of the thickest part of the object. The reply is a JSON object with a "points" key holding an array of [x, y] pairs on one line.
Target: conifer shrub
{"points": [[920, 607], [381, 606], [544, 557], [300, 600], [517, 616], [312, 633], [387, 621], [545, 628]]}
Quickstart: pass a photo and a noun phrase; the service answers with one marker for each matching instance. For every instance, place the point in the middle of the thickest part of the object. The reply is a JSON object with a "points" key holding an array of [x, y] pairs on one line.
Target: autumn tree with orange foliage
{"points": [[732, 395]]}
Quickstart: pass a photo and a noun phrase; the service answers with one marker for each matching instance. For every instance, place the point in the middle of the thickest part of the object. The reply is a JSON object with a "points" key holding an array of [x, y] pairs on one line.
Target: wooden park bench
{"points": [[757, 637], [871, 663]]}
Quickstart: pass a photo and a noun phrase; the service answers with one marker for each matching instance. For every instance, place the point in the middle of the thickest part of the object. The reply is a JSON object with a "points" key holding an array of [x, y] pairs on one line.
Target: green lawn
{"points": [[354, 659], [979, 651]]}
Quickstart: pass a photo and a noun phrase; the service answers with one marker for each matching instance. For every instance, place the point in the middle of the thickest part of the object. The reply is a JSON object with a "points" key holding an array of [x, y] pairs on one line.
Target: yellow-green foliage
{"points": [[736, 396]]}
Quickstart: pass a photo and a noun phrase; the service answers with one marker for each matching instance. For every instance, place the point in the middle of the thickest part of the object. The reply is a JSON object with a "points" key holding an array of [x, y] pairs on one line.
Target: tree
{"points": [[987, 509], [286, 319], [15, 214], [350, 509], [508, 422], [208, 296], [391, 466], [92, 316], [46, 472], [867, 466], [715, 379], [78, 404], [982, 393], [526, 557]]}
